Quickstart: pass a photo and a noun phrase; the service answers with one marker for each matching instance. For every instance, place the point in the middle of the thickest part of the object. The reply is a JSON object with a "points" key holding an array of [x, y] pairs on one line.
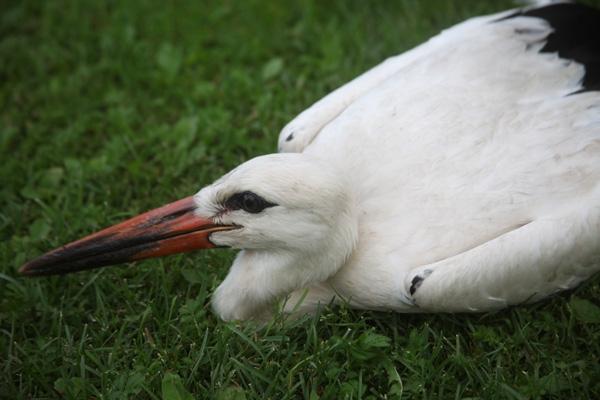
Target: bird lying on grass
{"points": [[462, 175]]}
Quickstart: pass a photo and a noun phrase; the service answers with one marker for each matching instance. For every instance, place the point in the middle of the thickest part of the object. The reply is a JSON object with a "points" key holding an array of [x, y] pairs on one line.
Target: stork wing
{"points": [[577, 40]]}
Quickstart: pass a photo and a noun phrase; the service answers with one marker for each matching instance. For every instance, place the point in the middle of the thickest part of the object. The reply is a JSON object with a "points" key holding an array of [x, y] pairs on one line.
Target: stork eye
{"points": [[247, 201]]}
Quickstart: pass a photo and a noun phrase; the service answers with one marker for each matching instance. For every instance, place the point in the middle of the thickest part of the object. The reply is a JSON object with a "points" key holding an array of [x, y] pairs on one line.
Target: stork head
{"points": [[290, 214]]}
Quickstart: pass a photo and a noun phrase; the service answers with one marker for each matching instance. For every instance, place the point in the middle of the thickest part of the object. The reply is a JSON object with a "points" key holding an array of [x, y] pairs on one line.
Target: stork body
{"points": [[459, 176], [480, 188]]}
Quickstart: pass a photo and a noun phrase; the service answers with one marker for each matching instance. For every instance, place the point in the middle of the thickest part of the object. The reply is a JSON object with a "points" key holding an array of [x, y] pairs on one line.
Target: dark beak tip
{"points": [[27, 270], [35, 267]]}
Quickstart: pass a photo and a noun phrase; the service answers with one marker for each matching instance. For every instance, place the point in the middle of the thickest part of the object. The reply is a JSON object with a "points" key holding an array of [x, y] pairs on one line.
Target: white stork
{"points": [[463, 175]]}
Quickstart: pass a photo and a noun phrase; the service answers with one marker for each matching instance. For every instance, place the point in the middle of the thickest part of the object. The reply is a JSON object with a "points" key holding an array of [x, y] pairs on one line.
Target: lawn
{"points": [[110, 108]]}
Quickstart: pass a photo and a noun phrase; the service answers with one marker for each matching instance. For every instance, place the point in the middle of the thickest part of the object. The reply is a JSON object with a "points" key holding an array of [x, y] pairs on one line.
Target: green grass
{"points": [[111, 108]]}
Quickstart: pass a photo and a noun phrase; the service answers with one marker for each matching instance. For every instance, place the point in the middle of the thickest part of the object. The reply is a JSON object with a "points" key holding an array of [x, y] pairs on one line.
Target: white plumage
{"points": [[472, 172]]}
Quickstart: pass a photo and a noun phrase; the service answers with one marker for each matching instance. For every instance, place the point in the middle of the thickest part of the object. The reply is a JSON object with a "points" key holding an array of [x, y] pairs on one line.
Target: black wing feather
{"points": [[576, 36]]}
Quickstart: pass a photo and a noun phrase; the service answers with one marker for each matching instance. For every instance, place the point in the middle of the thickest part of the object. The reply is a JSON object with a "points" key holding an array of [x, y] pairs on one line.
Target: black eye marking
{"points": [[247, 201]]}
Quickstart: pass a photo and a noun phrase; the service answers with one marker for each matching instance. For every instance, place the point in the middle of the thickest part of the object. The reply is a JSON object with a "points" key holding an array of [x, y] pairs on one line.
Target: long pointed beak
{"points": [[173, 228]]}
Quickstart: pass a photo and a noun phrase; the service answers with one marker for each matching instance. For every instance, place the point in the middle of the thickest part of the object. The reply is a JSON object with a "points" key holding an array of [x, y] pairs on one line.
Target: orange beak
{"points": [[170, 229]]}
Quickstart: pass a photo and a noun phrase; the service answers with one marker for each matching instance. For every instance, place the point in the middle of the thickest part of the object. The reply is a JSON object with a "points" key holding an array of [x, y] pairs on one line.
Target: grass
{"points": [[111, 108]]}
